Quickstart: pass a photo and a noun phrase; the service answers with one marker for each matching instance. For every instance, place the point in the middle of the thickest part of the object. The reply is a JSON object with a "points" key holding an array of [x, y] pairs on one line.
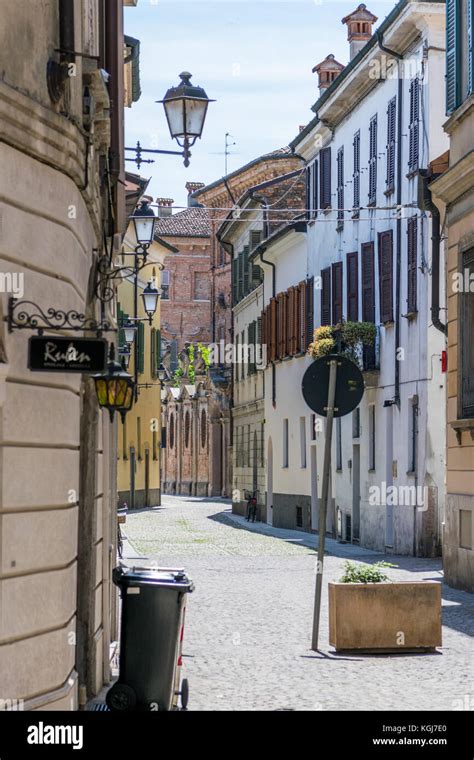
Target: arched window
{"points": [[171, 427], [203, 429], [187, 428]]}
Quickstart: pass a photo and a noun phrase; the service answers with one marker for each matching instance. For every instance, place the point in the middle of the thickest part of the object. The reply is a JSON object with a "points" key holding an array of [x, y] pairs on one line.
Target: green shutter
{"points": [[257, 275], [158, 350], [152, 352], [246, 270], [235, 276], [240, 286], [141, 347], [453, 54], [470, 46]]}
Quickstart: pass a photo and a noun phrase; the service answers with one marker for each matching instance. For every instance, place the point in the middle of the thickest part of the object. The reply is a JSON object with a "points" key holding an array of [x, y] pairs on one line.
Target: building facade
{"points": [[139, 432], [261, 212], [57, 452], [369, 255], [454, 194]]}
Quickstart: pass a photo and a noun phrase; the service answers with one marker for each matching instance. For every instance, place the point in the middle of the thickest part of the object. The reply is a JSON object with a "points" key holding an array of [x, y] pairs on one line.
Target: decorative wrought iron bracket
{"points": [[27, 315], [106, 275]]}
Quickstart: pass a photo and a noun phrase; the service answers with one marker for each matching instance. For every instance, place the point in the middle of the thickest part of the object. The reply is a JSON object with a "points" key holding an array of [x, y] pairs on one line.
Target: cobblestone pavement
{"points": [[248, 627]]}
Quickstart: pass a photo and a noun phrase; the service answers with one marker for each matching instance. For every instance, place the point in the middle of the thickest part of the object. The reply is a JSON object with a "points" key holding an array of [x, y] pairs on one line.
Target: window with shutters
{"points": [[165, 285], [412, 264], [414, 126], [255, 239], [466, 342], [314, 197], [391, 144], [386, 276], [326, 296], [325, 178], [309, 329], [290, 314], [141, 347], [453, 54], [309, 173], [246, 264], [336, 276], [352, 269], [240, 286], [235, 280], [356, 173], [153, 352], [340, 188], [373, 160], [368, 283]]}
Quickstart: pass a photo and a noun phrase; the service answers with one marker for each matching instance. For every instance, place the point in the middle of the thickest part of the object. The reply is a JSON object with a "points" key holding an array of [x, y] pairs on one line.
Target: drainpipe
{"points": [[264, 204], [399, 220], [430, 206]]}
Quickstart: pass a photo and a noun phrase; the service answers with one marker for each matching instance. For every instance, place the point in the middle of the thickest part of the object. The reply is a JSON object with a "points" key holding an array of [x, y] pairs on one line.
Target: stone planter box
{"points": [[385, 617]]}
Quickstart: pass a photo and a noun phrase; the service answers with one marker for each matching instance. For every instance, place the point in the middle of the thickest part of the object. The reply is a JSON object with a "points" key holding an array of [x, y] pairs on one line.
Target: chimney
{"points": [[191, 187], [359, 28], [165, 207], [327, 71]]}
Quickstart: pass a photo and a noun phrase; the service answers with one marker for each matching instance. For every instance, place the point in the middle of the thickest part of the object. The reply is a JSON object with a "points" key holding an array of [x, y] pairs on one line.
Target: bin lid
{"points": [[140, 576]]}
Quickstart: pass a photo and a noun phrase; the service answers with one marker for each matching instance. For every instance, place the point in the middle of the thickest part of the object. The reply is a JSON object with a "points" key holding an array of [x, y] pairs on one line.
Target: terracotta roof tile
{"points": [[192, 222]]}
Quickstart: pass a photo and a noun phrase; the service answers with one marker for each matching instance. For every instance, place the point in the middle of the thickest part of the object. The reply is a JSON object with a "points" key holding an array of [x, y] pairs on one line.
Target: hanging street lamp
{"points": [[186, 109], [114, 388], [144, 222], [150, 297], [129, 330]]}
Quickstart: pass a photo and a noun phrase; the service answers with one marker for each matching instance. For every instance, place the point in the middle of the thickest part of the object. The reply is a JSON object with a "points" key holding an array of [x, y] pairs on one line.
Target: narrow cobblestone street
{"points": [[248, 629]]}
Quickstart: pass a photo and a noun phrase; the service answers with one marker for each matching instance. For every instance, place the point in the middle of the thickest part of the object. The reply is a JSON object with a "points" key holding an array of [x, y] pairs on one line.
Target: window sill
{"points": [[410, 315], [388, 323], [371, 469], [389, 191], [412, 173], [460, 426], [356, 215], [371, 204]]}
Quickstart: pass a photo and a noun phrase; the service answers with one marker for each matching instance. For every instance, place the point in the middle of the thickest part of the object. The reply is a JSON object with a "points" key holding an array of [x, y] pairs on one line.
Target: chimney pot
{"points": [[327, 72], [359, 28], [165, 207]]}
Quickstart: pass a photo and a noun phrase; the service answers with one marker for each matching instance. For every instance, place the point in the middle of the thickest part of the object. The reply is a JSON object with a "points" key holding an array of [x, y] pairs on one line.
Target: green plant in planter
{"points": [[343, 338], [362, 573]]}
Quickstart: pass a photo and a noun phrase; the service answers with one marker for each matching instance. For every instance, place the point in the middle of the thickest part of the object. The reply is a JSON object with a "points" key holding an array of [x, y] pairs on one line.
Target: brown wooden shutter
{"points": [[291, 321], [302, 315], [352, 267], [368, 283], [386, 276], [297, 299], [336, 275], [325, 177], [326, 296], [272, 329], [412, 262], [309, 312], [263, 328]]}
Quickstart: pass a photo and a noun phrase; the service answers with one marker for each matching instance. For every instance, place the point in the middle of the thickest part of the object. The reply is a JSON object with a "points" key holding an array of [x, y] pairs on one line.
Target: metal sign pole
{"points": [[323, 507]]}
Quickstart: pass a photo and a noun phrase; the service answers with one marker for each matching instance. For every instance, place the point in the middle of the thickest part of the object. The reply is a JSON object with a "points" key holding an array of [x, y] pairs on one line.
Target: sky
{"points": [[254, 57]]}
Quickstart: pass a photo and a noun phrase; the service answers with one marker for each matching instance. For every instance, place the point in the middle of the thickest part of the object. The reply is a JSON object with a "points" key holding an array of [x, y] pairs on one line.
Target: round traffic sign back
{"points": [[349, 385]]}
